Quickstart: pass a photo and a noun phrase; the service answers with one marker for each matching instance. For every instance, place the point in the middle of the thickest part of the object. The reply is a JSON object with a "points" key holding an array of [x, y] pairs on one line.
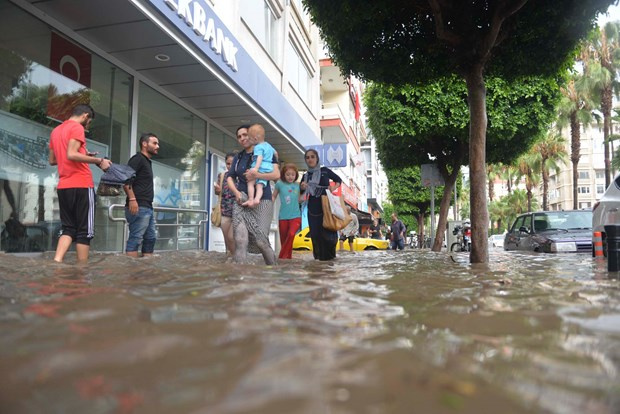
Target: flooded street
{"points": [[372, 332]]}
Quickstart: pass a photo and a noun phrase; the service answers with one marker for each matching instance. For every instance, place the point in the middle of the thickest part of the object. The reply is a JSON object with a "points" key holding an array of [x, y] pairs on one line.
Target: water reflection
{"points": [[370, 332]]}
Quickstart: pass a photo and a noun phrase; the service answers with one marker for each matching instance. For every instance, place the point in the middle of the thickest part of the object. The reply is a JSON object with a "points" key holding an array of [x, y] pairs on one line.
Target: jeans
{"points": [[141, 230], [398, 244]]}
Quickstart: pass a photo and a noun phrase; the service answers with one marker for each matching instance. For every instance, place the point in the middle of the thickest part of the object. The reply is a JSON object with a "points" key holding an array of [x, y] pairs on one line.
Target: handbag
{"points": [[108, 190], [114, 178], [337, 208], [216, 212], [331, 221]]}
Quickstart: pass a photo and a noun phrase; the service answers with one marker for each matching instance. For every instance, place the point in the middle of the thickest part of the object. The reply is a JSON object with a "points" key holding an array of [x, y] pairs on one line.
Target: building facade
{"points": [[189, 71], [591, 173]]}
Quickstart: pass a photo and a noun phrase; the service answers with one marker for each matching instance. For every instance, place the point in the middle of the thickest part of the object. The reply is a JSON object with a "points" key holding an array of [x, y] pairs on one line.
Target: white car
{"points": [[607, 210], [496, 240]]}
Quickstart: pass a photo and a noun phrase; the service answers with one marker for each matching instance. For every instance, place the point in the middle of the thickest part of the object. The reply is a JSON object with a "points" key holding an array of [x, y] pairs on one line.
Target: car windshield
{"points": [[562, 220]]}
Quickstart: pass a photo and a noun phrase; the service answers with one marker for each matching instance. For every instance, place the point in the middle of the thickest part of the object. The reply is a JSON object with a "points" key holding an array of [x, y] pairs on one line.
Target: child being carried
{"points": [[262, 162]]}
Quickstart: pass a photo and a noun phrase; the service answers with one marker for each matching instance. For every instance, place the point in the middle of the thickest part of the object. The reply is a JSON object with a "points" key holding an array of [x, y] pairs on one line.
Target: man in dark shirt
{"points": [[139, 203], [398, 233]]}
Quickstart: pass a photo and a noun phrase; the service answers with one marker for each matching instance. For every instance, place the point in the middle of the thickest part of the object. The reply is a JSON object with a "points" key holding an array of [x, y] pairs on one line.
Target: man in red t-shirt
{"points": [[76, 192]]}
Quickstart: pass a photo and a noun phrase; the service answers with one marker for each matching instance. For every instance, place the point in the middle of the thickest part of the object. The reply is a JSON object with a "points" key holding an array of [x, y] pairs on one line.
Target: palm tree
{"points": [[493, 171], [509, 174], [575, 109], [528, 166], [518, 202], [601, 59], [500, 212], [551, 154]]}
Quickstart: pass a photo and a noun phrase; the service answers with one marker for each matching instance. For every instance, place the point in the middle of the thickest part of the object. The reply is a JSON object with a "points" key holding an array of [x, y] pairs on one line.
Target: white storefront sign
{"points": [[195, 16]]}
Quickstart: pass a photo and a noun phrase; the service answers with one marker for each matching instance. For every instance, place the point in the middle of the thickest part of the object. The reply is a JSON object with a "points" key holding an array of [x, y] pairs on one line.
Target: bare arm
{"points": [[233, 189], [274, 195], [52, 158], [133, 203], [73, 154], [270, 176]]}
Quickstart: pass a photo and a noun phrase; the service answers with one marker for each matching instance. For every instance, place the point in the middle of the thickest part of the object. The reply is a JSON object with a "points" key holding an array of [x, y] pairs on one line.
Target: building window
{"points": [[600, 189], [600, 175], [585, 205], [264, 24], [298, 74], [303, 14], [583, 190], [584, 175]]}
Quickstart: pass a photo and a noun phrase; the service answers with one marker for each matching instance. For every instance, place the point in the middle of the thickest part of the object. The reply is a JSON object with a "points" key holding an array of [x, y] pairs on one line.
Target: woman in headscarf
{"points": [[314, 184], [250, 224]]}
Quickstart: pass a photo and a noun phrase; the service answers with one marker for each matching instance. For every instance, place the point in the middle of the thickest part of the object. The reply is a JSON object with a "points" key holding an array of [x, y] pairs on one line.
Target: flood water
{"points": [[371, 332]]}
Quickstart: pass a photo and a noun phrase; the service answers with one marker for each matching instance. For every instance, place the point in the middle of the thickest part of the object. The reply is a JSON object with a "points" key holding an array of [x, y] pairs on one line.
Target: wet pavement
{"points": [[371, 332]]}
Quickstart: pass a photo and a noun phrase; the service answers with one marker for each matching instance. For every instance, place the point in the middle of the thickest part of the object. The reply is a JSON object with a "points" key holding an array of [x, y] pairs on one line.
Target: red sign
{"points": [[74, 63]]}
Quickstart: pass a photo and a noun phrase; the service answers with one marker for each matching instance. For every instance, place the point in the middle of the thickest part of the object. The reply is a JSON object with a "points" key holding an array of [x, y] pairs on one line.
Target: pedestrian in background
{"points": [[227, 200], [350, 231], [290, 215], [139, 203], [314, 184], [76, 190], [398, 233]]}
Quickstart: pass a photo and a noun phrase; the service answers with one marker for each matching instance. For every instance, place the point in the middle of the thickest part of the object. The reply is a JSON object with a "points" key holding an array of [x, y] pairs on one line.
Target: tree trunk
{"points": [[420, 230], [606, 103], [545, 178], [575, 147], [443, 210], [479, 215]]}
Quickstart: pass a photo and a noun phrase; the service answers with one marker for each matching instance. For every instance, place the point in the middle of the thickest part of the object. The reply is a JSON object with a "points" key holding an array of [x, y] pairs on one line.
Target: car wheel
{"points": [[370, 248]]}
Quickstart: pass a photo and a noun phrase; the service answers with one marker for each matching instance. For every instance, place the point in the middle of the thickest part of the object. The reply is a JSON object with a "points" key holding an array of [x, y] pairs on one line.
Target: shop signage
{"points": [[331, 155], [195, 16]]}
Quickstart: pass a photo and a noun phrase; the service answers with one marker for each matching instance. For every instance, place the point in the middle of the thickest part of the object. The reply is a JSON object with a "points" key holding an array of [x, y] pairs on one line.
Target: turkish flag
{"points": [[74, 63]]}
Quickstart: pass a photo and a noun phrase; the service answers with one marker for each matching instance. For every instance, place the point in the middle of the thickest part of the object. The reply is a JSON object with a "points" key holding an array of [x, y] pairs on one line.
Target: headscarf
{"points": [[313, 188]]}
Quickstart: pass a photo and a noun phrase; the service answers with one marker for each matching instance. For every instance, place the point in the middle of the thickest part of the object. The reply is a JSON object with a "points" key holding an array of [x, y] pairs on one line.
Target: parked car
{"points": [[607, 210], [551, 232], [302, 242], [496, 240]]}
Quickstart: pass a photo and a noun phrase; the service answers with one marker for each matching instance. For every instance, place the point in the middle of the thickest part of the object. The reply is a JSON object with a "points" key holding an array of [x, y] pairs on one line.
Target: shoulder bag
{"points": [[216, 213], [330, 220]]}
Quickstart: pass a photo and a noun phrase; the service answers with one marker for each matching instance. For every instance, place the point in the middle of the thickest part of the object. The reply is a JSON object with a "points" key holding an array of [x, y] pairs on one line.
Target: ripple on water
{"points": [[369, 332]]}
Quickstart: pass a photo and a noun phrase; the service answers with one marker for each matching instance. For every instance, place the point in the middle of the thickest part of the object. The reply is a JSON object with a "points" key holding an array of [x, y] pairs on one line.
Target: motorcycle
{"points": [[463, 238]]}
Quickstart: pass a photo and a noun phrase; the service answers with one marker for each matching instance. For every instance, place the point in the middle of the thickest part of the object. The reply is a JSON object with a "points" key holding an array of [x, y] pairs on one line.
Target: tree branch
{"points": [[441, 28]]}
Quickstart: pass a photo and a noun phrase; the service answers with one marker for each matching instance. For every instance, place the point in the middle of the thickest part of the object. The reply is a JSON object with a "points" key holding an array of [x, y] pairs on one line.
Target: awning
{"points": [[372, 203], [363, 217]]}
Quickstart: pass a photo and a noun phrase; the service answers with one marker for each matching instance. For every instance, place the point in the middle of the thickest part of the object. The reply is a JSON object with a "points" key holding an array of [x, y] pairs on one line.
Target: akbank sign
{"points": [[193, 13]]}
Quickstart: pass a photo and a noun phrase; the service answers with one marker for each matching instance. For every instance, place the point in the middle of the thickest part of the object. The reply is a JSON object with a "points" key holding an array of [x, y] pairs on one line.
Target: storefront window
{"points": [[179, 168], [43, 75]]}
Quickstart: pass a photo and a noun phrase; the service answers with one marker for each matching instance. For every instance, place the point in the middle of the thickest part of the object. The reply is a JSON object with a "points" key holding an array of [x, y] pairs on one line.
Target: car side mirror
{"points": [[523, 229]]}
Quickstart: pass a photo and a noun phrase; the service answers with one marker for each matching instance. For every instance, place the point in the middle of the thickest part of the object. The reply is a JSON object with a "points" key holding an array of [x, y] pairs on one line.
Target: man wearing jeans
{"points": [[139, 204], [398, 233]]}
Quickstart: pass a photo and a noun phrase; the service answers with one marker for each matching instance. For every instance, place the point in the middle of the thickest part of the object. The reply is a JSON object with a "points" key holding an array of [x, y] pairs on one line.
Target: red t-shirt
{"points": [[73, 174]]}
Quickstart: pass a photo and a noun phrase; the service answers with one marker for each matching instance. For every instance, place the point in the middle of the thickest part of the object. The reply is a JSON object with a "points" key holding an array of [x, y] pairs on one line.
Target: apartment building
{"points": [[343, 129], [591, 172]]}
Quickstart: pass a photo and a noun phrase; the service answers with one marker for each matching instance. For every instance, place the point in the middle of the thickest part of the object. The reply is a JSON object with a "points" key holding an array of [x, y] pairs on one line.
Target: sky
{"points": [[613, 13]]}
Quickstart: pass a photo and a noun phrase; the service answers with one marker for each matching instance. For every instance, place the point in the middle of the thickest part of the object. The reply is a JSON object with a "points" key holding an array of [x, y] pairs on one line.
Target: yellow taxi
{"points": [[302, 242]]}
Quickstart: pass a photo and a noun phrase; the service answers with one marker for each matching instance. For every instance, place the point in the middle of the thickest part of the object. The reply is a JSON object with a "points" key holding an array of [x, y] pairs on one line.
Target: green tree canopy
{"points": [[424, 40], [415, 125]]}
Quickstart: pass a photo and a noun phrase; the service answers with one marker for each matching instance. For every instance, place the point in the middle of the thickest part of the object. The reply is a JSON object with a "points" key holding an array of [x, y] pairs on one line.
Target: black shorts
{"points": [[343, 238], [77, 213]]}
